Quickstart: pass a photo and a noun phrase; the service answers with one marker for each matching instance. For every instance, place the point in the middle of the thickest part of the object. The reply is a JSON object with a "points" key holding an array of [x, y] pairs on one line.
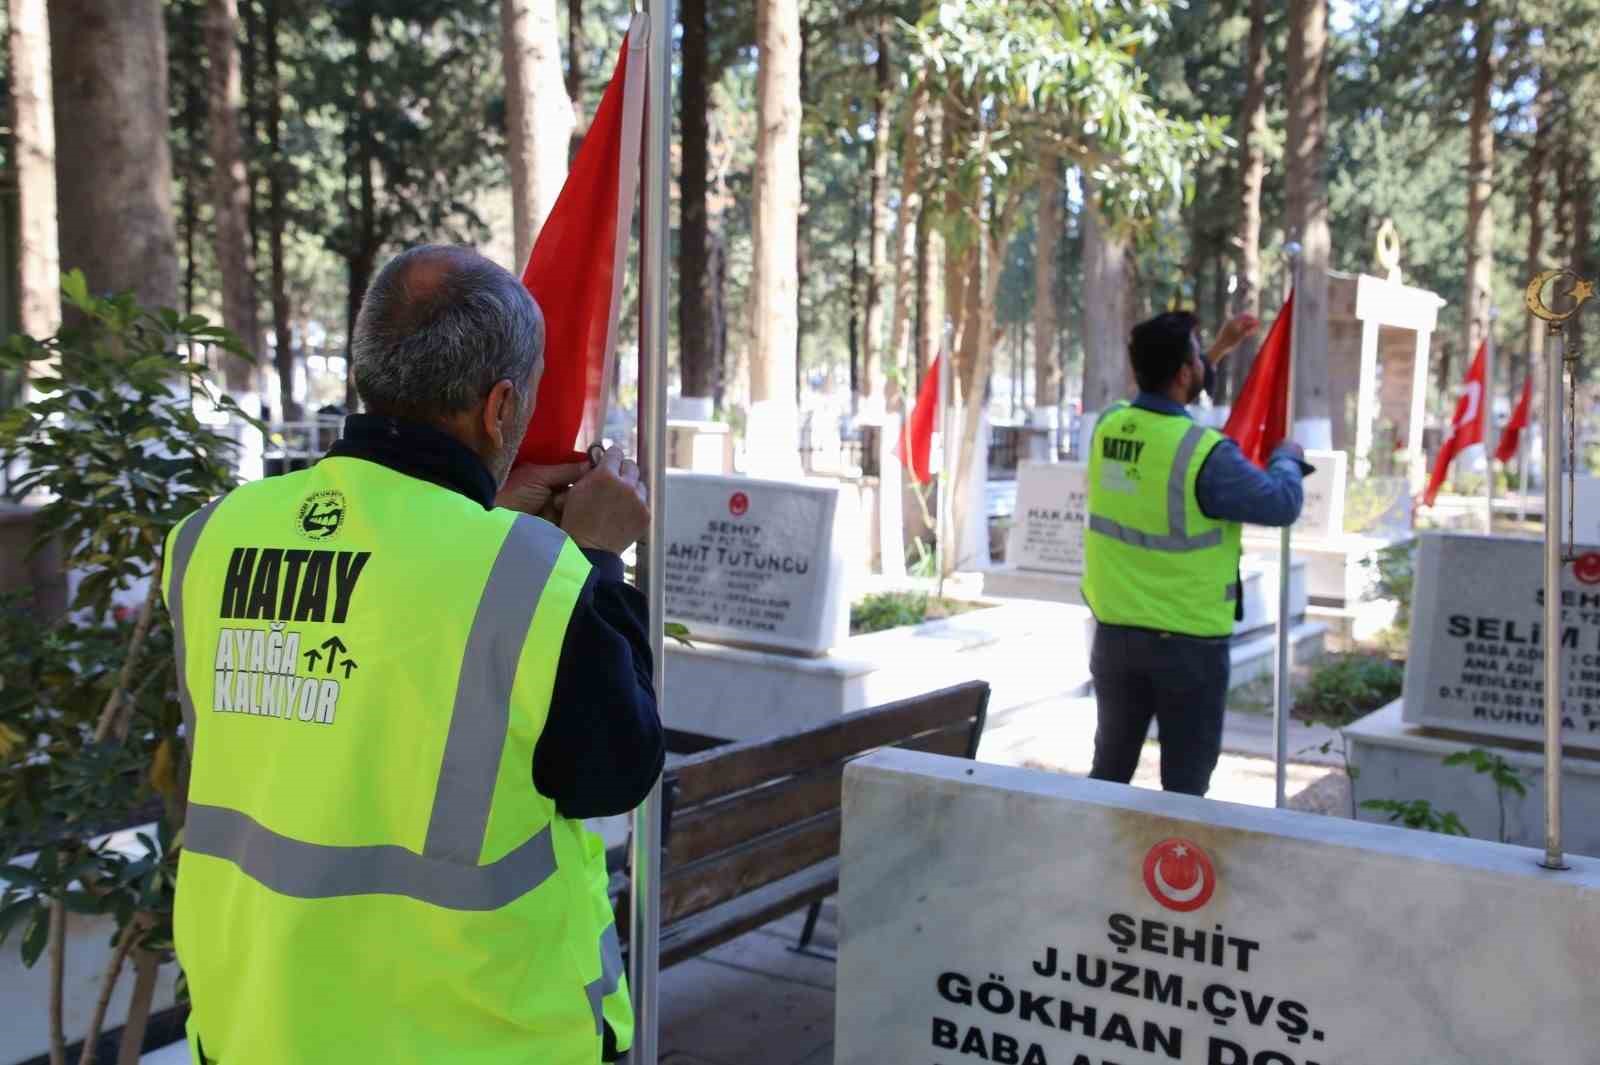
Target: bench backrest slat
{"points": [[749, 814], [744, 765], [728, 875]]}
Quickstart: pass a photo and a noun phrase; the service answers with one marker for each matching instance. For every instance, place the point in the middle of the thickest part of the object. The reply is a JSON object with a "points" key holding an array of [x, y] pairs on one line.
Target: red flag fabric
{"points": [[1259, 421], [576, 268], [918, 442], [1466, 427], [1511, 435]]}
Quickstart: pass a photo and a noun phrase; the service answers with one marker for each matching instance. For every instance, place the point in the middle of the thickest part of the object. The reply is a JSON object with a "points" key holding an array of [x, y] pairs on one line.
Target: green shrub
{"points": [[89, 719], [1348, 687], [887, 610]]}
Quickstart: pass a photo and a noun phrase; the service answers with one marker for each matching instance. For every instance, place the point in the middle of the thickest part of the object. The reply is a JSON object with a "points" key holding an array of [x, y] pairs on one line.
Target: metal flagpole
{"points": [[1552, 601], [1280, 715], [644, 939], [1488, 422], [1553, 560], [941, 500]]}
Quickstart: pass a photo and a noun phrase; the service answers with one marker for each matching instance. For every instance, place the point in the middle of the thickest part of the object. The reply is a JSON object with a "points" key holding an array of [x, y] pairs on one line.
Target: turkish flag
{"points": [[919, 427], [1511, 435], [1259, 421], [577, 264], [1466, 427]]}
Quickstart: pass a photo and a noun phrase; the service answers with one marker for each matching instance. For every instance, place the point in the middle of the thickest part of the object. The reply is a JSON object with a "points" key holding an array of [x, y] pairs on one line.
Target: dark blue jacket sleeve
{"points": [[1231, 488], [602, 747]]}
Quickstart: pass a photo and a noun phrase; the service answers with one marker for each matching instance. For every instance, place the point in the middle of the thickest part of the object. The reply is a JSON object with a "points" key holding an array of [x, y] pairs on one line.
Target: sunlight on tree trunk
{"points": [[1252, 171], [278, 170], [899, 374], [113, 162], [1308, 212], [878, 275], [34, 160], [1046, 368], [1480, 185], [1106, 375], [230, 194], [539, 118], [774, 334]]}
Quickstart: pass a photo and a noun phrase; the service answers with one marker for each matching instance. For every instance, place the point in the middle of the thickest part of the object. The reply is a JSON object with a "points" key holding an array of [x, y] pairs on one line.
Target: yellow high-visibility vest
{"points": [[1152, 559], [368, 873]]}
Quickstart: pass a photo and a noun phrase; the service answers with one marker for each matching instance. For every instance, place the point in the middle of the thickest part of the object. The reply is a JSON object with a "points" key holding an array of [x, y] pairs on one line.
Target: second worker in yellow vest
{"points": [[1167, 500], [407, 674]]}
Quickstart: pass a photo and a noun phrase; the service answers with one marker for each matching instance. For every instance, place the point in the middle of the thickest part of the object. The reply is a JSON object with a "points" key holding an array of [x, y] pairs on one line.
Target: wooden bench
{"points": [[751, 830]]}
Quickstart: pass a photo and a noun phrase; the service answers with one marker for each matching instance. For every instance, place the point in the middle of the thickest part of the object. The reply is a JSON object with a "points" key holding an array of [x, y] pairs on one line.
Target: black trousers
{"points": [[1181, 681]]}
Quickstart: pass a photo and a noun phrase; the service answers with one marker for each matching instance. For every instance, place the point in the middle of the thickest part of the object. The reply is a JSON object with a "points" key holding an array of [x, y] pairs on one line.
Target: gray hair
{"points": [[439, 326]]}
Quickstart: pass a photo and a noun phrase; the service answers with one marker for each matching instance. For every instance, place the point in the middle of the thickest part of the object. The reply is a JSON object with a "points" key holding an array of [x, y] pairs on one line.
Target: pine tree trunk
{"points": [[899, 375], [1252, 171], [362, 256], [277, 222], [932, 312], [717, 333], [539, 119], [1047, 371], [580, 114], [230, 194], [1106, 374], [1538, 169], [1480, 185], [878, 279], [774, 298], [694, 284], [34, 161], [1582, 238], [1308, 211], [113, 162]]}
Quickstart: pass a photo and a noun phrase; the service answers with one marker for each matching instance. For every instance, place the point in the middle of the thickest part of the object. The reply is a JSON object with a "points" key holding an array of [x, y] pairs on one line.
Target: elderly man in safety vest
{"points": [[405, 679], [1161, 555]]}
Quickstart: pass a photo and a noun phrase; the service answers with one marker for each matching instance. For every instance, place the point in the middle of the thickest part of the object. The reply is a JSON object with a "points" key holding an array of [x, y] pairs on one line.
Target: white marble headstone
{"points": [[1323, 512], [997, 914], [1048, 520], [759, 563], [1585, 508], [1476, 658]]}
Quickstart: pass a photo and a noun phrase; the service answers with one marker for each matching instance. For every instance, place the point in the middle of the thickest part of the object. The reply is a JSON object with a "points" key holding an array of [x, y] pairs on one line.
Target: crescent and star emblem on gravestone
{"points": [[1587, 568], [1179, 875], [738, 503]]}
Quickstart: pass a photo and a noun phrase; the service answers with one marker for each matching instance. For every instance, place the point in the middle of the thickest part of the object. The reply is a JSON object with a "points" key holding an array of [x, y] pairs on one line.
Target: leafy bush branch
{"points": [[90, 725]]}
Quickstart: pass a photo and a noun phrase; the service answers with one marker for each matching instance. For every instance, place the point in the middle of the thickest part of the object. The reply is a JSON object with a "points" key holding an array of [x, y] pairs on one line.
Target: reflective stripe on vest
{"points": [[446, 873], [1178, 538]]}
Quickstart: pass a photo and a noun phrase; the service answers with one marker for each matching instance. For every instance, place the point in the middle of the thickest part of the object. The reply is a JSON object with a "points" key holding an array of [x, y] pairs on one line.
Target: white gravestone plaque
{"points": [[1047, 524], [1477, 661], [756, 562], [993, 914], [1322, 515], [1323, 512], [1585, 508]]}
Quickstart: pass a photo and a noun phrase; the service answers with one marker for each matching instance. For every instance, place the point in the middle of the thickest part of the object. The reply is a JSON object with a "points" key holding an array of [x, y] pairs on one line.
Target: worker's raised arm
{"points": [[1231, 488]]}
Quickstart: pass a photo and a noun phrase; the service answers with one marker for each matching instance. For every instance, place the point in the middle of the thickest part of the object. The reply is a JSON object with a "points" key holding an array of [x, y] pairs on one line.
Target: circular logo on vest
{"points": [[738, 503], [1179, 875], [1587, 568], [321, 515]]}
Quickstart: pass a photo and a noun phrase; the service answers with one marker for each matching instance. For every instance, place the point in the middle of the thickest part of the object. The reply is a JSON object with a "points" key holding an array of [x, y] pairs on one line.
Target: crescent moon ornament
{"points": [[1580, 291], [1188, 894]]}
